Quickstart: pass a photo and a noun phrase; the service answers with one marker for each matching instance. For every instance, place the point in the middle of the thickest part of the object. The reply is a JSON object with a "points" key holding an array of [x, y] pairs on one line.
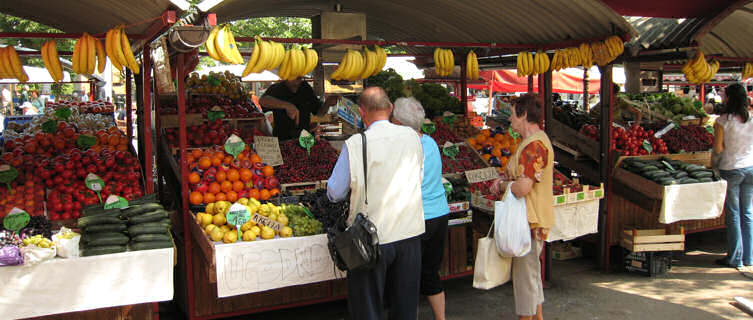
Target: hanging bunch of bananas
{"points": [[606, 51], [444, 62], [297, 63], [267, 55], [586, 55], [221, 45], [566, 58], [540, 63], [471, 66], [747, 71], [698, 71], [52, 62], [10, 65], [525, 64], [88, 56], [355, 65], [118, 48]]}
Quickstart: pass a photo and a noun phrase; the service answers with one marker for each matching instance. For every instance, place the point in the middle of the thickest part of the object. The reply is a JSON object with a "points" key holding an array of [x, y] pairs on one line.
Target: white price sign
{"points": [[268, 148], [481, 175]]}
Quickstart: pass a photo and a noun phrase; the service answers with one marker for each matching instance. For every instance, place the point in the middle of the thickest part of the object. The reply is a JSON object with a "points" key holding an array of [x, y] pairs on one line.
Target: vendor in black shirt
{"points": [[293, 102]]}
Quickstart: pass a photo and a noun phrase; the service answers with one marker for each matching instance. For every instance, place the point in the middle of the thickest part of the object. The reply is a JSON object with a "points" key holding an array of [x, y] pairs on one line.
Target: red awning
{"points": [[668, 8], [508, 81]]}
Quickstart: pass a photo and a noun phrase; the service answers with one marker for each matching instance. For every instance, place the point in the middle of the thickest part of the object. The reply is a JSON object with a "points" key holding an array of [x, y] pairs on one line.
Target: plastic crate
{"points": [[17, 119], [649, 263]]}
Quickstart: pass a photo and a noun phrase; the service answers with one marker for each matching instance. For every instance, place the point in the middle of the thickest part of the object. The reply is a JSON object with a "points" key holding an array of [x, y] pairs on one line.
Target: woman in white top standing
{"points": [[733, 156]]}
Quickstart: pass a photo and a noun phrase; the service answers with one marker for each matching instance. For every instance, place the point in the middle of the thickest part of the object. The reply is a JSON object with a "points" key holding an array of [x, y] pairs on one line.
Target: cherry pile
{"points": [[688, 139], [300, 166], [465, 160], [444, 134]]}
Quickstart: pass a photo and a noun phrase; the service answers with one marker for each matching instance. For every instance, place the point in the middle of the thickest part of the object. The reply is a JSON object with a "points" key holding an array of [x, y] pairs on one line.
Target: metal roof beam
{"points": [[716, 19]]}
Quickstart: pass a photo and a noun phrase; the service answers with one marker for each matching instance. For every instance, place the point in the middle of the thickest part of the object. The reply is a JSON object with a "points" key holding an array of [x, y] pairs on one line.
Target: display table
{"points": [[86, 283]]}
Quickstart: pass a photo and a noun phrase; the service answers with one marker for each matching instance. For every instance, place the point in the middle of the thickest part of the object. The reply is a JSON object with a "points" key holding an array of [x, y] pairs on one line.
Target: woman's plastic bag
{"points": [[10, 256], [66, 242], [511, 230], [34, 255]]}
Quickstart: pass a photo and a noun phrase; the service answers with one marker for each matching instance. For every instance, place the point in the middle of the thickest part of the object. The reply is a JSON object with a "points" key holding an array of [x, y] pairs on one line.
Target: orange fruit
{"points": [[274, 192], [264, 194], [233, 175], [197, 153], [122, 147], [196, 197], [486, 157], [124, 140], [246, 174], [205, 162], [254, 193], [189, 158], [497, 152], [231, 196], [227, 160], [215, 188], [255, 158], [194, 177], [226, 186], [268, 171], [217, 161], [209, 197], [219, 154], [220, 197], [238, 186], [242, 156], [113, 140], [221, 176]]}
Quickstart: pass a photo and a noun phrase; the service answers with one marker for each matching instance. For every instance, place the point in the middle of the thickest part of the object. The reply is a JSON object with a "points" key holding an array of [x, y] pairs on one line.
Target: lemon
{"points": [[267, 233], [256, 229], [210, 208], [286, 232], [230, 237], [247, 226], [283, 220], [243, 201], [249, 235], [225, 228], [207, 219], [219, 219], [272, 216], [208, 229], [217, 234]]}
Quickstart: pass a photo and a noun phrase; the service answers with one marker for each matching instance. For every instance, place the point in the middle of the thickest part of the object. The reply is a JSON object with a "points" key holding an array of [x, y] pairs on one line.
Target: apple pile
{"points": [[64, 175], [217, 176], [61, 141], [97, 106]]}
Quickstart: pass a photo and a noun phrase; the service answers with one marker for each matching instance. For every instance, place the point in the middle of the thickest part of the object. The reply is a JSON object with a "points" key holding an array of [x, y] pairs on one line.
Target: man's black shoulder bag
{"points": [[357, 246]]}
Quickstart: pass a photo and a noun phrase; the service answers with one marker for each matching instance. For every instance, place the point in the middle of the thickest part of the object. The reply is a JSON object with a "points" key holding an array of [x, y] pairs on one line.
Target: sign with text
{"points": [[268, 148], [264, 221], [478, 201], [249, 267], [481, 175]]}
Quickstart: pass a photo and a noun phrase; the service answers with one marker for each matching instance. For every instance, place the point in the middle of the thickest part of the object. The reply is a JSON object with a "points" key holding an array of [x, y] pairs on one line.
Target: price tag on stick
{"points": [[306, 140], [428, 128], [16, 220], [50, 126], [116, 202], [449, 119], [234, 145], [7, 175], [96, 184], [237, 215], [216, 113], [450, 149], [85, 141], [647, 146]]}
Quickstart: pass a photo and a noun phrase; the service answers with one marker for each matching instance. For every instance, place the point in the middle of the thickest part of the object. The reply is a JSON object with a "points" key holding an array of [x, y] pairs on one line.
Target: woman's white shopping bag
{"points": [[512, 232], [491, 269]]}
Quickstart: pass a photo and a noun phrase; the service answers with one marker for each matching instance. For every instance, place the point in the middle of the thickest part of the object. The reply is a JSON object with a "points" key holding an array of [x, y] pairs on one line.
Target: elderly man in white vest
{"points": [[395, 170]]}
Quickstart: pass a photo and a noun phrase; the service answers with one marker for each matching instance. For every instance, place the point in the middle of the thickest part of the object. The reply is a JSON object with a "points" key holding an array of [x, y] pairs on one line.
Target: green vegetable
{"points": [[106, 239], [115, 227], [139, 229], [153, 216], [95, 251], [140, 209], [151, 245], [152, 237], [84, 222]]}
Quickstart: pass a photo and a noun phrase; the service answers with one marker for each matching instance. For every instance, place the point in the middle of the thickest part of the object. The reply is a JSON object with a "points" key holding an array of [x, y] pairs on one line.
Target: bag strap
{"points": [[365, 180], [491, 227]]}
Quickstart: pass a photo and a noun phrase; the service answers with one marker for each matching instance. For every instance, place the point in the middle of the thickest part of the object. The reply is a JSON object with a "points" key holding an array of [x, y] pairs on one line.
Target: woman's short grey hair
{"points": [[409, 112]]}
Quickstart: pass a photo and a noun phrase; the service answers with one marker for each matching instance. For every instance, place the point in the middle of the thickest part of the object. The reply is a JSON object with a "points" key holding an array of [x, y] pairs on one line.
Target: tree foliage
{"points": [[10, 23]]}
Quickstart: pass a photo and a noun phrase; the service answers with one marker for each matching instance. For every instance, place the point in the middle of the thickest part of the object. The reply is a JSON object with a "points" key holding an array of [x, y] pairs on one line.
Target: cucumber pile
{"points": [[144, 224], [668, 172]]}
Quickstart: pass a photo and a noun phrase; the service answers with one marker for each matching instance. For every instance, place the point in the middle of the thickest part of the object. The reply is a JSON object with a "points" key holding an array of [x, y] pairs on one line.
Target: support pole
{"points": [[545, 86], [491, 91], [464, 86], [703, 95], [92, 90], [605, 160], [129, 108], [585, 89], [182, 142], [530, 84], [147, 121]]}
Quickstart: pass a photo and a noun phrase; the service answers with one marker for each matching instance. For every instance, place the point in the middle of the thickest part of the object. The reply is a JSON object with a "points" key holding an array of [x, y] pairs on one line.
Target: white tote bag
{"points": [[512, 232], [490, 269]]}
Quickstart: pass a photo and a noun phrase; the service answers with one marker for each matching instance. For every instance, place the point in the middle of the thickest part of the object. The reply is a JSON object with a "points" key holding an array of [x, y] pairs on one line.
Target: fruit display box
{"points": [[589, 193], [651, 240], [562, 134]]}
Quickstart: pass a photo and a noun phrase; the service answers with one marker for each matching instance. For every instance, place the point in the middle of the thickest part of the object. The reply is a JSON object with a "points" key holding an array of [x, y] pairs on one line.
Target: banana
{"points": [[451, 62], [312, 60], [264, 55], [83, 55], [4, 74], [117, 47], [369, 59], [9, 74], [356, 69], [340, 67], [437, 62], [15, 63], [253, 60], [91, 54], [209, 44], [46, 60], [698, 62], [545, 62], [475, 67], [109, 48], [302, 57], [222, 45], [128, 53], [280, 54], [299, 63], [469, 65], [101, 55], [52, 54], [382, 60], [285, 66], [235, 53], [529, 58], [526, 64], [350, 65]]}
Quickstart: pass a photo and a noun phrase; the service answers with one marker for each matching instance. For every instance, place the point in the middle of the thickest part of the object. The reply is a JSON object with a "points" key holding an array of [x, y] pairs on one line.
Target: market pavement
{"points": [[694, 289]]}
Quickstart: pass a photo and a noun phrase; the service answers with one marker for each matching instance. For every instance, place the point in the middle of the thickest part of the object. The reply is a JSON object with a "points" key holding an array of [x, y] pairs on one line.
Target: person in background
{"points": [[395, 169], [623, 110], [733, 157], [24, 96], [531, 170], [37, 102], [6, 99], [293, 102], [409, 112]]}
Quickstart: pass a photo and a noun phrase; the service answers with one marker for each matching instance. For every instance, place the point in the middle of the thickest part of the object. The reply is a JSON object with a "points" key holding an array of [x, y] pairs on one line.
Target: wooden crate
{"points": [[171, 120], [650, 240], [143, 311], [647, 187], [562, 134], [300, 188]]}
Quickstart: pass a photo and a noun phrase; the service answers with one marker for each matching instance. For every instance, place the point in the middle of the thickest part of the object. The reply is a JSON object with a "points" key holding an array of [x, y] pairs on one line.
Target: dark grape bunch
{"points": [[37, 225], [324, 210]]}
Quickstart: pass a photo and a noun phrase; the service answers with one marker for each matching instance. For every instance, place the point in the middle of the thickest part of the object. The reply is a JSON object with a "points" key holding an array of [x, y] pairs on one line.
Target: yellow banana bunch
{"points": [[747, 71], [267, 55], [221, 46], [698, 71], [117, 47], [586, 55], [540, 63], [444, 62], [525, 64], [295, 64], [356, 65], [381, 60], [10, 65], [471, 66], [615, 46], [51, 60], [604, 52]]}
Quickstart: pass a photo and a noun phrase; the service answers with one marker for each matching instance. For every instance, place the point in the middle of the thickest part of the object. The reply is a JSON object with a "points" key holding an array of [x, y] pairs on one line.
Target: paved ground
{"points": [[693, 289]]}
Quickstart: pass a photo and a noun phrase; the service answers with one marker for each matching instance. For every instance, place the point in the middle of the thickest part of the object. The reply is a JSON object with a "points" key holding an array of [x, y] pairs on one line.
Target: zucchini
{"points": [[106, 239], [648, 168], [653, 175], [115, 227], [679, 174], [148, 217], [688, 181], [694, 167], [666, 181], [151, 245], [139, 229], [103, 212], [152, 237], [149, 198], [161, 223], [705, 180], [95, 251], [84, 222], [140, 209], [93, 210], [701, 174], [668, 166]]}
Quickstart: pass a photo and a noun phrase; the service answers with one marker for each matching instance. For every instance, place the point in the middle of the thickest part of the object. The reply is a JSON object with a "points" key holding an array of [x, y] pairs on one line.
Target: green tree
{"points": [[10, 23]]}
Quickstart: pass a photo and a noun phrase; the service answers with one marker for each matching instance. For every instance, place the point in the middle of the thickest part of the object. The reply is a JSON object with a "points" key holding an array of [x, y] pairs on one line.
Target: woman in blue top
{"points": [[409, 112]]}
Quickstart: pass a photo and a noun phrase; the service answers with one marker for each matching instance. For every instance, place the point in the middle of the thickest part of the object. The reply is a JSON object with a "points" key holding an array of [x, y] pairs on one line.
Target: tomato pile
{"points": [[97, 106], [630, 142]]}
